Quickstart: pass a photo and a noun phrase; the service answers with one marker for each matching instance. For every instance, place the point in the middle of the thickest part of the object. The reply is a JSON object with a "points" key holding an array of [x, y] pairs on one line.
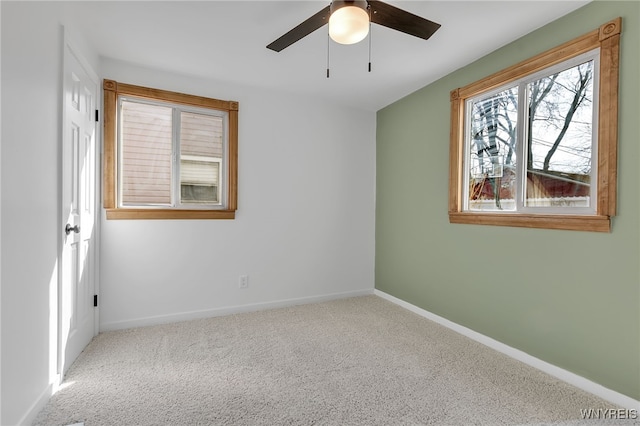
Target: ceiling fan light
{"points": [[349, 24]]}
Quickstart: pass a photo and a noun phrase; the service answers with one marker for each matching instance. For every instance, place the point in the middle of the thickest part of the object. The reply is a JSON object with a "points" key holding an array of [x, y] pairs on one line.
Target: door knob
{"points": [[69, 228]]}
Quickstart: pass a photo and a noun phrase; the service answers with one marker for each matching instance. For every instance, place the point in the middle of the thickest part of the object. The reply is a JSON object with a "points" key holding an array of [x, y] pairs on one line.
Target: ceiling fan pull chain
{"points": [[328, 43], [370, 35]]}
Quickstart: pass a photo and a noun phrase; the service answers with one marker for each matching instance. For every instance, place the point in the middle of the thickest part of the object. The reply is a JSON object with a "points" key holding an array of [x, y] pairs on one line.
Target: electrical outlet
{"points": [[243, 282]]}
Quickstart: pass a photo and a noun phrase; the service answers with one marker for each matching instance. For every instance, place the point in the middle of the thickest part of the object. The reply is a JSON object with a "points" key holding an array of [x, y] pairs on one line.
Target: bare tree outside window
{"points": [[560, 138], [493, 150]]}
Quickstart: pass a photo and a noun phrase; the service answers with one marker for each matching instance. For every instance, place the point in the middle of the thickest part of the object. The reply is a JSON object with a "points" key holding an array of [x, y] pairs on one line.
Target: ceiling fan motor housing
{"points": [[337, 4], [348, 21]]}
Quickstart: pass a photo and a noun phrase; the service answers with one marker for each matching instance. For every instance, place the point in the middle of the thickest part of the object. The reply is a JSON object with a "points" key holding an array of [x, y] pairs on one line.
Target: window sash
{"points": [[518, 203], [176, 157], [145, 161], [468, 120]]}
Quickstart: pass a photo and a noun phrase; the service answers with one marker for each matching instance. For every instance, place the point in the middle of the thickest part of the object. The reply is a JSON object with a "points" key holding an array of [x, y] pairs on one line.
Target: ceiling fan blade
{"points": [[302, 30], [390, 16]]}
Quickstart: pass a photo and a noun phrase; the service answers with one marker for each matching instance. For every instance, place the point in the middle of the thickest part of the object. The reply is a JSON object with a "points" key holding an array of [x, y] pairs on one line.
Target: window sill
{"points": [[590, 223], [169, 214]]}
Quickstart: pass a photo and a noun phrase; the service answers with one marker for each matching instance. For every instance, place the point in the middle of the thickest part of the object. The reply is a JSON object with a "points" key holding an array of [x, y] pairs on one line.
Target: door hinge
{"points": [[95, 300], [97, 115]]}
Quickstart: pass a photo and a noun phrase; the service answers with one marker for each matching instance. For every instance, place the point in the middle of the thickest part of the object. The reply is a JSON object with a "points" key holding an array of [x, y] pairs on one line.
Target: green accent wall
{"points": [[569, 298]]}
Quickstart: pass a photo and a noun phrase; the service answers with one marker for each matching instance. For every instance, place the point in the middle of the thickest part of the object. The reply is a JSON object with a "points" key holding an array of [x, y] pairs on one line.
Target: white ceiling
{"points": [[226, 41]]}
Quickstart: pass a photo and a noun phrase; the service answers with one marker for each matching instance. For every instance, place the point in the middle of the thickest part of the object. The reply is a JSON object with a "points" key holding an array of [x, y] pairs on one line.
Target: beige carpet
{"points": [[358, 361]]}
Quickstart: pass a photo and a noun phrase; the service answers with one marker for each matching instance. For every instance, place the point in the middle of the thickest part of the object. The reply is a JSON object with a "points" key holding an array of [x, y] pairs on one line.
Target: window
{"points": [[168, 155], [535, 145]]}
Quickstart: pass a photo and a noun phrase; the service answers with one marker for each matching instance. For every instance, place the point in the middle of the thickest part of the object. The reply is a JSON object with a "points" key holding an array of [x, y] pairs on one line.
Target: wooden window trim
{"points": [[607, 38], [112, 90]]}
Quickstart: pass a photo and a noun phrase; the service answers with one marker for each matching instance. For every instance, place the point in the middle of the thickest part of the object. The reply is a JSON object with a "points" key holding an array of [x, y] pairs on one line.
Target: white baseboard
{"points": [[208, 313], [37, 406], [562, 374]]}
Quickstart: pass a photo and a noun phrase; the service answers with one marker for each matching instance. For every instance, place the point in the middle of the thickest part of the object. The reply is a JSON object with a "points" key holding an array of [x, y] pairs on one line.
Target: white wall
{"points": [[32, 40], [304, 229]]}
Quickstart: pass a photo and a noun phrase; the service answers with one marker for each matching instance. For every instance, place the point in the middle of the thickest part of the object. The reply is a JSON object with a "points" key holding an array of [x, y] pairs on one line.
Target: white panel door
{"points": [[78, 260]]}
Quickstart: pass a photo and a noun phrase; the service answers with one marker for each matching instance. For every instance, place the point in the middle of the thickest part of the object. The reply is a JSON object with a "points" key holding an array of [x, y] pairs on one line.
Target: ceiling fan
{"points": [[349, 22]]}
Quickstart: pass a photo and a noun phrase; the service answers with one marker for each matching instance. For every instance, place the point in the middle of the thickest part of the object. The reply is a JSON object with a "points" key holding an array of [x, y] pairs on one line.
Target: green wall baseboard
{"points": [[557, 372]]}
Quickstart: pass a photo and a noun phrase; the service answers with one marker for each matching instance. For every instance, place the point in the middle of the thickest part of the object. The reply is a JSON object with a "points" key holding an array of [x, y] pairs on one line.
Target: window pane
{"points": [[199, 194], [199, 181], [146, 154], [201, 150], [560, 139], [492, 152]]}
